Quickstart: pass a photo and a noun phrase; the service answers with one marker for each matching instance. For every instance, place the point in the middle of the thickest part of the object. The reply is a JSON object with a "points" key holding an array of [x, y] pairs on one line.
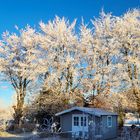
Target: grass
{"points": [[6, 134]]}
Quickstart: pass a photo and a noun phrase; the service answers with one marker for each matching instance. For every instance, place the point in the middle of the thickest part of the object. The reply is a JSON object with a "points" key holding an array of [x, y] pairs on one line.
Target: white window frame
{"points": [[108, 123], [83, 121], [77, 122]]}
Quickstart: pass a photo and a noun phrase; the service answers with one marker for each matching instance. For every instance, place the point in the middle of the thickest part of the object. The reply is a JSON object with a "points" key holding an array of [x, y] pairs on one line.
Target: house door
{"points": [[79, 123]]}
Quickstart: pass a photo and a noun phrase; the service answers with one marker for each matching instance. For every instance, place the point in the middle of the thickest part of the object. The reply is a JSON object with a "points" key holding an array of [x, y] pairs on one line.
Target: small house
{"points": [[88, 122]]}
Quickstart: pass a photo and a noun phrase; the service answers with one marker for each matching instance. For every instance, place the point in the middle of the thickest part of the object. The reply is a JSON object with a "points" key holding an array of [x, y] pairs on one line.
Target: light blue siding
{"points": [[66, 122], [109, 132]]}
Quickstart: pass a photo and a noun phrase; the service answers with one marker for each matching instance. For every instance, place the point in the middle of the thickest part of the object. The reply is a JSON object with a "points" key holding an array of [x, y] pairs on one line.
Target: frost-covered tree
{"points": [[93, 62], [59, 43], [127, 34], [98, 56], [19, 63], [115, 43]]}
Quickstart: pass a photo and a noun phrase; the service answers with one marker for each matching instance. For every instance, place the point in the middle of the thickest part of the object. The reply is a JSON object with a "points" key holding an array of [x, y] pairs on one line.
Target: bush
{"points": [[27, 127]]}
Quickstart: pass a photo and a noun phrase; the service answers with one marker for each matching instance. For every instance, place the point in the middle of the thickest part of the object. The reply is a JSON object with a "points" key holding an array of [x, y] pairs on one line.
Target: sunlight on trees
{"points": [[91, 65]]}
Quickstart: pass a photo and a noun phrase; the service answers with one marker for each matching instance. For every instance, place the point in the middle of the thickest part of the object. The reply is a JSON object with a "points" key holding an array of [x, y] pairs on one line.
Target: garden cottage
{"points": [[89, 122]]}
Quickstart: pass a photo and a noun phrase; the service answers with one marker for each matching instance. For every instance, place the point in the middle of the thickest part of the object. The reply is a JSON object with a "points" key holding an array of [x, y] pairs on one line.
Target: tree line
{"points": [[95, 64]]}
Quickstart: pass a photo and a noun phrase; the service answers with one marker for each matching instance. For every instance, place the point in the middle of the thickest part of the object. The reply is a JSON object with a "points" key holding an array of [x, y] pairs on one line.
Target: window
{"points": [[109, 121], [83, 121], [79, 120], [76, 121]]}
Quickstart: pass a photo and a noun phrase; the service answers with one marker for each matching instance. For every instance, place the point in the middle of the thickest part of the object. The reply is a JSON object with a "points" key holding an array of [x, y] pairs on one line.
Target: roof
{"points": [[93, 111]]}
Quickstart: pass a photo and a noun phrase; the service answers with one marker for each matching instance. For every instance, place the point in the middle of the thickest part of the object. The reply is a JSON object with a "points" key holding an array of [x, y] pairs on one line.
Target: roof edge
{"points": [[79, 109]]}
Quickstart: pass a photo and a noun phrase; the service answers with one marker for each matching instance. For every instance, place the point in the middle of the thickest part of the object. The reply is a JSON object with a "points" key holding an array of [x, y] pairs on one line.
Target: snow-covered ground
{"points": [[132, 122], [131, 119]]}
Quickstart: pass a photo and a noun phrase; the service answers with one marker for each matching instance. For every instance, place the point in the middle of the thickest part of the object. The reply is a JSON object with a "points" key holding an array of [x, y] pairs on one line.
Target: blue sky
{"points": [[23, 12]]}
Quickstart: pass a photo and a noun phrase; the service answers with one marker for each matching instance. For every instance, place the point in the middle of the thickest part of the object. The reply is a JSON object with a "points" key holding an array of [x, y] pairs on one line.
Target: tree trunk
{"points": [[18, 115], [138, 107], [19, 107], [138, 102]]}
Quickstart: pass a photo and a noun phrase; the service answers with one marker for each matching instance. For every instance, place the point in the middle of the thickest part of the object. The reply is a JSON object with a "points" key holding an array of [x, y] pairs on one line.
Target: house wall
{"points": [[94, 126], [66, 122], [109, 132]]}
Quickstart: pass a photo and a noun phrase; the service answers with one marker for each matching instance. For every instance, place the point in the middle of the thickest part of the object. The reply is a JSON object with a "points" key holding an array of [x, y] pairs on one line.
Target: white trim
{"points": [[109, 125]]}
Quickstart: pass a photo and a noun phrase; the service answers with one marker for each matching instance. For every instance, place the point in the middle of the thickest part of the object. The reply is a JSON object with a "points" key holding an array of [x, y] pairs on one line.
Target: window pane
{"points": [[81, 121], [76, 121], [85, 121], [109, 121]]}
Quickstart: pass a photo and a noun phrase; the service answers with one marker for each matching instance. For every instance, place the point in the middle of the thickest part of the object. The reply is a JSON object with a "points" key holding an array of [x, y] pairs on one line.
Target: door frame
{"points": [[81, 128]]}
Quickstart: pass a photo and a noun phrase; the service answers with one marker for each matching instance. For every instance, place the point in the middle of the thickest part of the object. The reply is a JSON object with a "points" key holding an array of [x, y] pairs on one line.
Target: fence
{"points": [[129, 133]]}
